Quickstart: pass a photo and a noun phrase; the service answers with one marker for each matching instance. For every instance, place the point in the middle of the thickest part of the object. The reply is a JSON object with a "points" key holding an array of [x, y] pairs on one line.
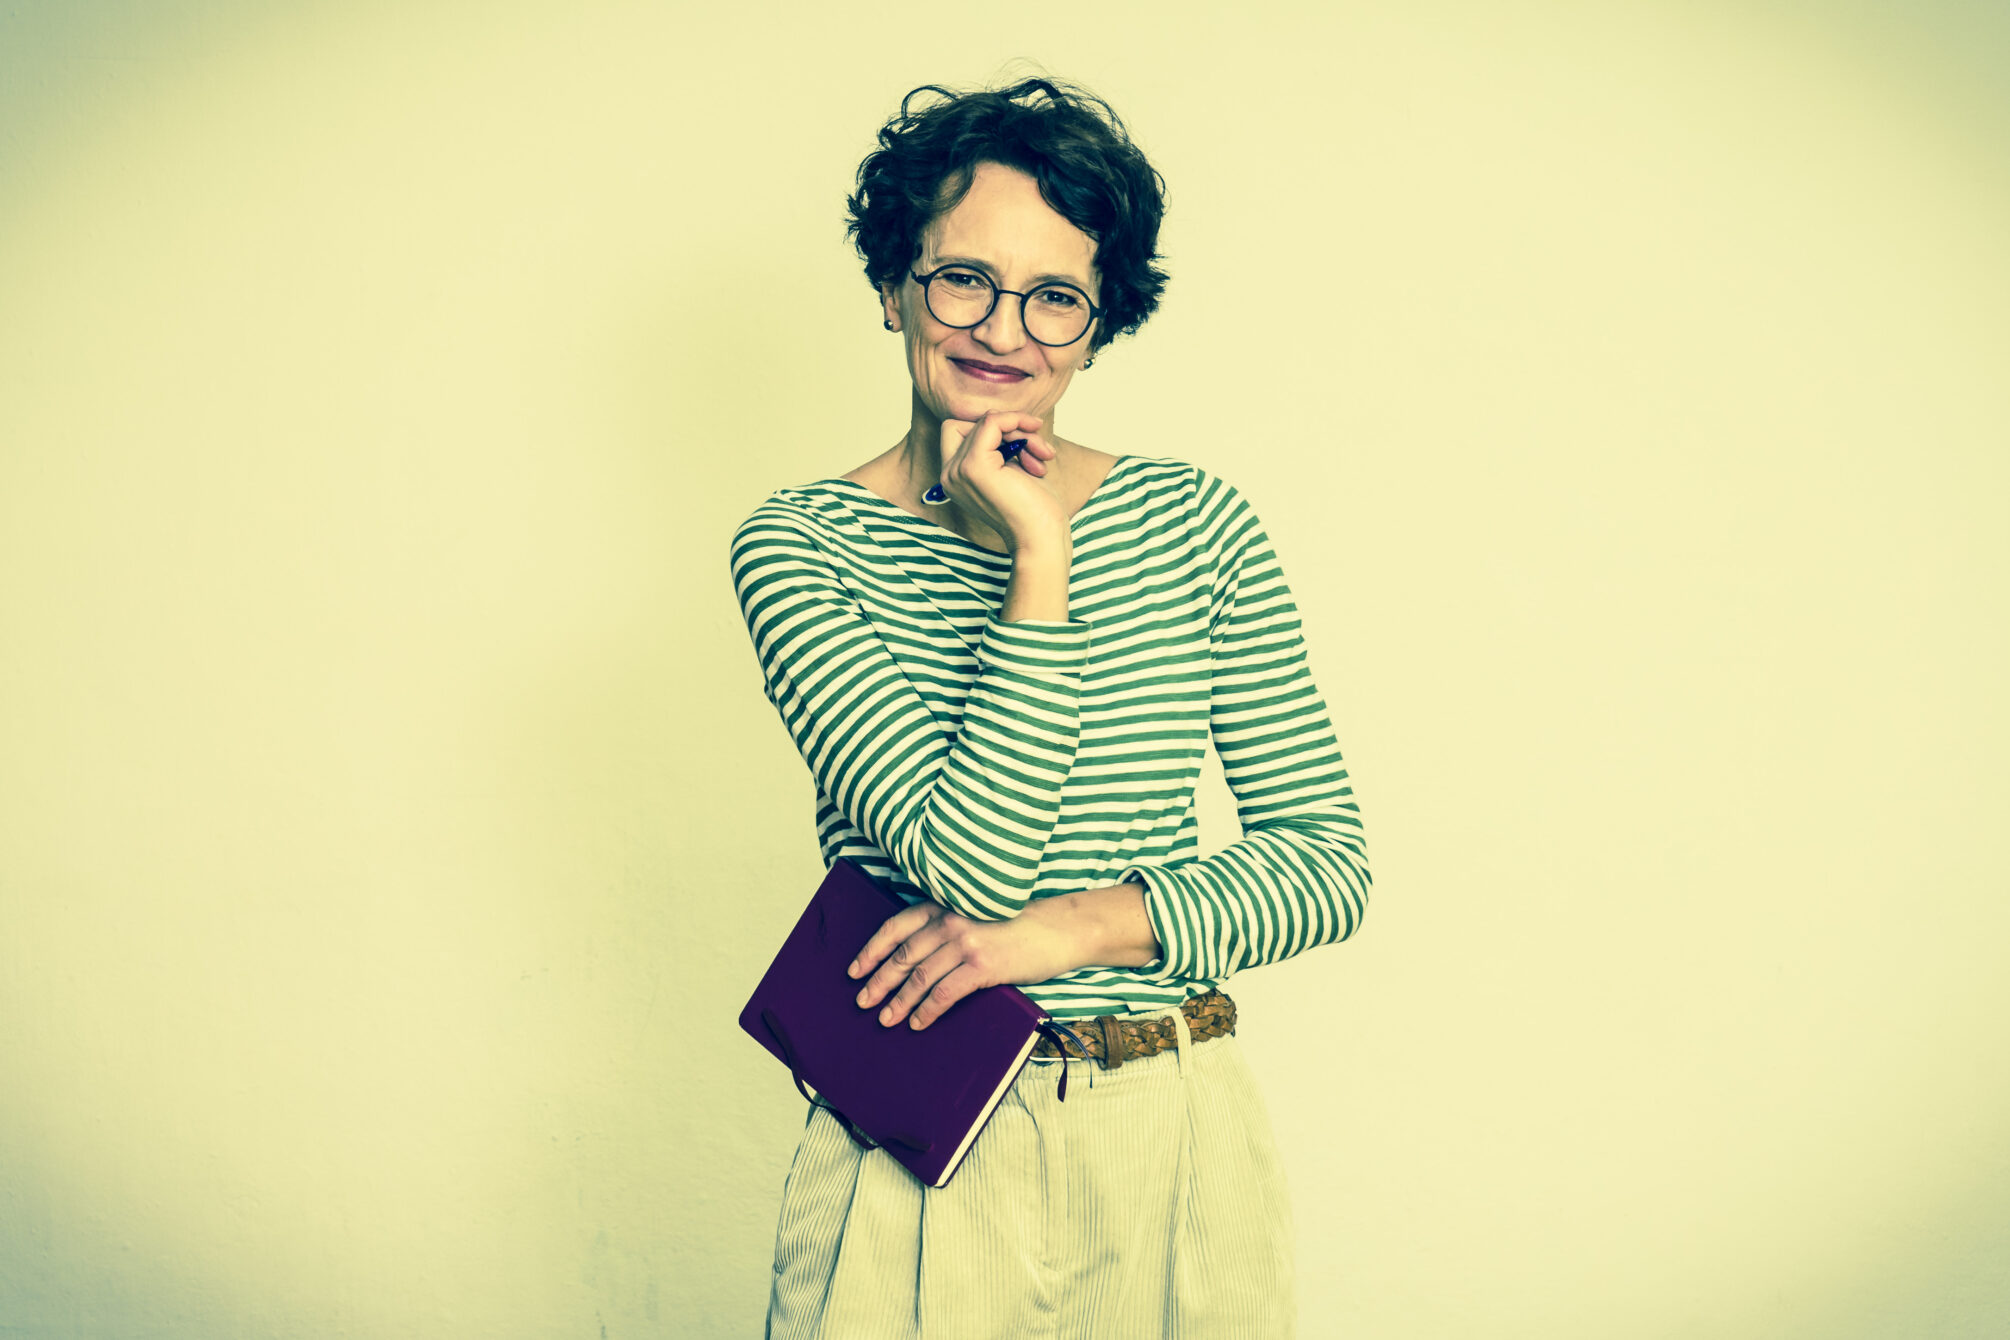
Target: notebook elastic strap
{"points": [[1048, 1026]]}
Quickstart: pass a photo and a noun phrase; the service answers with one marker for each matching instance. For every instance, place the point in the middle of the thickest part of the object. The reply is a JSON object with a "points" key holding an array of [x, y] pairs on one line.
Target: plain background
{"points": [[391, 823]]}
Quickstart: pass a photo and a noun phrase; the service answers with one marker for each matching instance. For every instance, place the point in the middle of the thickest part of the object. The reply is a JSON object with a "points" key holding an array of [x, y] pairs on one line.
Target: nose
{"points": [[1005, 329]]}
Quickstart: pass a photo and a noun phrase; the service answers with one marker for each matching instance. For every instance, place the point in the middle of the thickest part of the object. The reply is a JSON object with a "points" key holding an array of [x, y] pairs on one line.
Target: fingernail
{"points": [[886, 1015], [914, 1021], [852, 971], [861, 998]]}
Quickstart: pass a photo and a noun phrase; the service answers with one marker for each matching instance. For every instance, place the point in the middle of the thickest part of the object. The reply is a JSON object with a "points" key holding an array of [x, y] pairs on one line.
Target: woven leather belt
{"points": [[1114, 1039]]}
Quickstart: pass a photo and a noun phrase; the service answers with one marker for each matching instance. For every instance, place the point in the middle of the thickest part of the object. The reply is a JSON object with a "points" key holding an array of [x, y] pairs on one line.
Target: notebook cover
{"points": [[935, 1086]]}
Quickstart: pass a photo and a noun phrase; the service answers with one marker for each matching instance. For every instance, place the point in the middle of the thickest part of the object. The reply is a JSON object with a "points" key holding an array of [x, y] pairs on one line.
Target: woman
{"points": [[1002, 654]]}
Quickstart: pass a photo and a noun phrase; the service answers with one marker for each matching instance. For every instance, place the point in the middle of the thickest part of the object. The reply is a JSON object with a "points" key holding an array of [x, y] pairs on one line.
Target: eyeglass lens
{"points": [[1053, 315]]}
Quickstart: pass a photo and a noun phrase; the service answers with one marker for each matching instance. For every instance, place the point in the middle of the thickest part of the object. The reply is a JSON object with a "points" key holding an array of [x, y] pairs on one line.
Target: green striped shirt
{"points": [[984, 764]]}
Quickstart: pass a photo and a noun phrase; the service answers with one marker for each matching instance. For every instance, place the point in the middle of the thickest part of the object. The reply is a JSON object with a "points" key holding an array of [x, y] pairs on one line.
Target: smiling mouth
{"points": [[986, 372]]}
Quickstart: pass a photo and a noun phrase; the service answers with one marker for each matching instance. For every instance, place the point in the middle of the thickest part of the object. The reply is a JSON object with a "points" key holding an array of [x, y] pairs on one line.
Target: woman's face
{"points": [[1005, 228]]}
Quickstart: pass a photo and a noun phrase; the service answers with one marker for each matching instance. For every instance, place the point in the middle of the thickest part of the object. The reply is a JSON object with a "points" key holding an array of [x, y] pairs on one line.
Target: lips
{"points": [[990, 372]]}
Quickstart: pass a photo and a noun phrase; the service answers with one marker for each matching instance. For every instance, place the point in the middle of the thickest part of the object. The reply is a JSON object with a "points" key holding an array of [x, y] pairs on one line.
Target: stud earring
{"points": [[887, 323], [1088, 362]]}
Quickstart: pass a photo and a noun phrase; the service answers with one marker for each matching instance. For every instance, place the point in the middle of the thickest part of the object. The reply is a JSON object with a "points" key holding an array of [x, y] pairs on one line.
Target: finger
{"points": [[1016, 444], [1002, 426], [1030, 459], [954, 986], [1010, 423], [983, 436], [891, 932], [955, 432], [1030, 463], [906, 957], [1033, 454], [1014, 423], [938, 965]]}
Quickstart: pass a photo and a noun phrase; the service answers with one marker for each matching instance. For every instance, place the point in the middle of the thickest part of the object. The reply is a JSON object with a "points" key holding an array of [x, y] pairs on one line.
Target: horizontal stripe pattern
{"points": [[983, 763]]}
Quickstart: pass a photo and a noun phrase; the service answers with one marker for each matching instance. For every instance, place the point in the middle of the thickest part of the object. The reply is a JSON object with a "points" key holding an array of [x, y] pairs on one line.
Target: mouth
{"points": [[989, 372]]}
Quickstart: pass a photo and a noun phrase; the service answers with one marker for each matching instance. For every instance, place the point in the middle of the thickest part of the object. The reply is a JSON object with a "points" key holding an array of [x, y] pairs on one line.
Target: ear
{"points": [[889, 304]]}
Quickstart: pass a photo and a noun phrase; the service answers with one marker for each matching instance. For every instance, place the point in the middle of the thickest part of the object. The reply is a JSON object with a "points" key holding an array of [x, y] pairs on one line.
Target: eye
{"points": [[1060, 299], [962, 279]]}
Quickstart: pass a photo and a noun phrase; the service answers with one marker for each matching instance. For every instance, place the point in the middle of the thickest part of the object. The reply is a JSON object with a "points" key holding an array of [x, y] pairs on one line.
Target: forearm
{"points": [[1287, 886], [966, 811], [1104, 927]]}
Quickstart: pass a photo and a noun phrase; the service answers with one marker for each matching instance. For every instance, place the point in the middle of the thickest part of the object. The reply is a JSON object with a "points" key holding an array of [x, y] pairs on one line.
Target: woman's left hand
{"points": [[934, 957]]}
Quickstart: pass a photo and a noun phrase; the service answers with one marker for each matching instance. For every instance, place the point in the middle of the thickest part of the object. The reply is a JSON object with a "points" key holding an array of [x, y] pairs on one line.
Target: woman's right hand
{"points": [[1011, 496]]}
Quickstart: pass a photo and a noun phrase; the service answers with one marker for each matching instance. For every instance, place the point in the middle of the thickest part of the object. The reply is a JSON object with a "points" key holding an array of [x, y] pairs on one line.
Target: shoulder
{"points": [[1216, 521], [804, 508], [1162, 479], [1187, 478], [788, 530], [1180, 492]]}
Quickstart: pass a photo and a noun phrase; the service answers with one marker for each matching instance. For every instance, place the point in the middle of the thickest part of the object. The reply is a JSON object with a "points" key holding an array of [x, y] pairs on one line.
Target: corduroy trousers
{"points": [[1149, 1204]]}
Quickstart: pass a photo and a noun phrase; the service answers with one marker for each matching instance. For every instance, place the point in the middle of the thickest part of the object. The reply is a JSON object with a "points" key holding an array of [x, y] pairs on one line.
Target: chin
{"points": [[969, 405]]}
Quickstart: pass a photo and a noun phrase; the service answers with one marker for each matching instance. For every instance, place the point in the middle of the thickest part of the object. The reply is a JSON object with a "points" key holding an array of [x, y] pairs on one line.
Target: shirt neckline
{"points": [[889, 505]]}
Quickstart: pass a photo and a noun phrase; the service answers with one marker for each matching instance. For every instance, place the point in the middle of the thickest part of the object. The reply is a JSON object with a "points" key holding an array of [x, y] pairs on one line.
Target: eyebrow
{"points": [[1070, 280]]}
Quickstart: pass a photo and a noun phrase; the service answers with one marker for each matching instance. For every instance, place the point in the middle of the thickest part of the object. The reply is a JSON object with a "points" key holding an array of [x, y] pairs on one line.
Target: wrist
{"points": [[1044, 539], [1104, 927], [1038, 586]]}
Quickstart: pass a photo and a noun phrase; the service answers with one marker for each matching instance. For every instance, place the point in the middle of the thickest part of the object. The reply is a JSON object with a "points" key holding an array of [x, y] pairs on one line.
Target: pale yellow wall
{"points": [[391, 824]]}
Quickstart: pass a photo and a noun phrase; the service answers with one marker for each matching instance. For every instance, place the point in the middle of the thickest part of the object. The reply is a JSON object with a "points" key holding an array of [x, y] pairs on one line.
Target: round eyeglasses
{"points": [[960, 297]]}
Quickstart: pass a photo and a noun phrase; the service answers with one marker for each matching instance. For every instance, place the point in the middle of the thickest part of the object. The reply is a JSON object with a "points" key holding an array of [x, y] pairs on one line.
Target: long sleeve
{"points": [[965, 811], [1298, 877]]}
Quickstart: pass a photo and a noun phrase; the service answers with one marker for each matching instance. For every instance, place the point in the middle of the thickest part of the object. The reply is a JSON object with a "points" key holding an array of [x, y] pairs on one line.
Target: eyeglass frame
{"points": [[1095, 312]]}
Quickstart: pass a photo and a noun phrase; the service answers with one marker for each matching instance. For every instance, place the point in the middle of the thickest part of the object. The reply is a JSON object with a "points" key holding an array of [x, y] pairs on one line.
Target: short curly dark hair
{"points": [[1067, 139]]}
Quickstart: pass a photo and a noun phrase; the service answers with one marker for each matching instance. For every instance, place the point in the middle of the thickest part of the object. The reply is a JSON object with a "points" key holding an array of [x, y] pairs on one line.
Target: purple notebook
{"points": [[921, 1094]]}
